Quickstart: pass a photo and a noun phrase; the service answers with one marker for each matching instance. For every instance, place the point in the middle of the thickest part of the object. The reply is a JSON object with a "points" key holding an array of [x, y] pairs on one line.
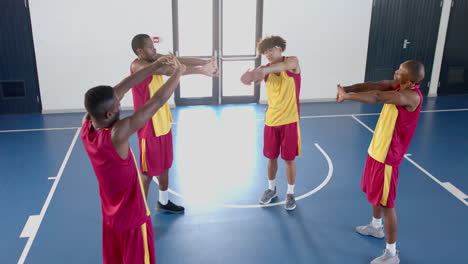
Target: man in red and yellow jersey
{"points": [[155, 137], [393, 133], [282, 76], [127, 231]]}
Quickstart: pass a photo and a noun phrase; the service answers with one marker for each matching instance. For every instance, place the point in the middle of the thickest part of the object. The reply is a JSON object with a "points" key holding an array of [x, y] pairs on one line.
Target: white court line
{"points": [[316, 189], [457, 192], [330, 116], [446, 185], [32, 228], [445, 110], [374, 114], [362, 123], [258, 119]]}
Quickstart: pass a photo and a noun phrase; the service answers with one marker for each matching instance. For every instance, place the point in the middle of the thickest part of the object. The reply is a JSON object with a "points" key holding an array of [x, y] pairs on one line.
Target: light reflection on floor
{"points": [[216, 151]]}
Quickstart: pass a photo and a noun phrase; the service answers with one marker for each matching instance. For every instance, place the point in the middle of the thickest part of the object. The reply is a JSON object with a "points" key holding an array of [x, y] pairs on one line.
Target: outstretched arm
{"points": [[385, 85], [126, 84], [124, 128], [407, 98], [193, 66], [190, 61], [209, 69], [290, 64]]}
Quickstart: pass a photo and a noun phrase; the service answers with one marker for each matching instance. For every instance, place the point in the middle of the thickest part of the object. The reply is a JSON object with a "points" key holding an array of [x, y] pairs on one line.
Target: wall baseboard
{"points": [[130, 108], [318, 100], [64, 111], [82, 110]]}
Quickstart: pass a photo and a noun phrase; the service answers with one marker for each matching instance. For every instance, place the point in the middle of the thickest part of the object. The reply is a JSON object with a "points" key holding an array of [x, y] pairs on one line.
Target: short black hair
{"points": [[98, 100], [415, 70], [138, 42], [271, 42]]}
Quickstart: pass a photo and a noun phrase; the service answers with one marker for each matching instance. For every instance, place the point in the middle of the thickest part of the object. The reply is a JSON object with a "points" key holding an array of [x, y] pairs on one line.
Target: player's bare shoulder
{"points": [[412, 99], [138, 65], [293, 61]]}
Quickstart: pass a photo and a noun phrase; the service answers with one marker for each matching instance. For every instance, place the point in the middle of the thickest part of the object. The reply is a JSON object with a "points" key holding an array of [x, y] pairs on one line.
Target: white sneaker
{"points": [[370, 230], [386, 258]]}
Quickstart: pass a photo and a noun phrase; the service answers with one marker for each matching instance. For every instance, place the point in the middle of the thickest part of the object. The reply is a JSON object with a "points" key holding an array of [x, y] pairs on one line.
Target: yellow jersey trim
{"points": [[162, 119], [383, 134]]}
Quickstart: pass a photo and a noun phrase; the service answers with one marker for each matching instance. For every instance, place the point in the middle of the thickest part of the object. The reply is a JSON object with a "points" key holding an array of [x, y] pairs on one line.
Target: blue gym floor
{"points": [[51, 208]]}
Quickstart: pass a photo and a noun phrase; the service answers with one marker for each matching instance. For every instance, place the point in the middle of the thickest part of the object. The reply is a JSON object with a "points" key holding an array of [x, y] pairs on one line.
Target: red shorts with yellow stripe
{"points": [[133, 246], [379, 182], [156, 154], [285, 139]]}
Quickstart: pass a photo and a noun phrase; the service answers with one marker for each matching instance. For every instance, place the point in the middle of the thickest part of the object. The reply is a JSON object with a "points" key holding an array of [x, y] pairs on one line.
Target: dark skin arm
{"points": [[404, 97], [190, 61], [123, 129], [126, 84], [194, 66], [139, 75], [385, 85]]}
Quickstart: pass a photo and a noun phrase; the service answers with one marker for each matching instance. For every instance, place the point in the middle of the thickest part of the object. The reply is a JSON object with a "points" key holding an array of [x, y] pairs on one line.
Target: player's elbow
{"points": [[291, 63], [377, 97], [387, 98]]}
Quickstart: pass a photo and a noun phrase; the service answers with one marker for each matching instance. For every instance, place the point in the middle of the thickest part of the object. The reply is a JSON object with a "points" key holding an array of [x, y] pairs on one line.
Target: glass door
{"points": [[192, 23], [240, 29], [228, 30]]}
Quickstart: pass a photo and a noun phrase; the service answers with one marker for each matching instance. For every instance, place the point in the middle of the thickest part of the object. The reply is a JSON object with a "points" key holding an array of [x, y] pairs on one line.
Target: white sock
{"points": [[272, 184], [163, 197], [290, 189], [392, 248], [376, 222]]}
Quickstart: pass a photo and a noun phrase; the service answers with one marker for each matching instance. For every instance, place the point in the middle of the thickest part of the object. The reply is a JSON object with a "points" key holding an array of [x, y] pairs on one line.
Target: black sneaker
{"points": [[170, 207]]}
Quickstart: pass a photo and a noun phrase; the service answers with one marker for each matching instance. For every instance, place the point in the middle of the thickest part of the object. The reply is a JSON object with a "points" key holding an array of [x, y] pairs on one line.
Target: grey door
{"points": [[402, 30], [454, 74], [19, 88], [386, 34]]}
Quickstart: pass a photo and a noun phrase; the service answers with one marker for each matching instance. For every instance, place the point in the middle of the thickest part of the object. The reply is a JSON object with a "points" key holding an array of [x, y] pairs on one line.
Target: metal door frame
{"points": [[217, 86]]}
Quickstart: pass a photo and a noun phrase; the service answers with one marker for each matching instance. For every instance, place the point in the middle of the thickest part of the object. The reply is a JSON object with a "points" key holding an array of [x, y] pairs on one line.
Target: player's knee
{"points": [[146, 179], [163, 186]]}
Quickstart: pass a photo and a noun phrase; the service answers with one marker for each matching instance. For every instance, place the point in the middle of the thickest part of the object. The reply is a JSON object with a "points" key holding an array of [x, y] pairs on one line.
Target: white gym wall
{"points": [[80, 44], [329, 37]]}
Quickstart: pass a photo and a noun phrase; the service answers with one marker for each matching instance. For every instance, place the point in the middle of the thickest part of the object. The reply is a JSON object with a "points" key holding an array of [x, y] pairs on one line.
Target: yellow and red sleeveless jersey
{"points": [[160, 123], [394, 131], [283, 98], [123, 202]]}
